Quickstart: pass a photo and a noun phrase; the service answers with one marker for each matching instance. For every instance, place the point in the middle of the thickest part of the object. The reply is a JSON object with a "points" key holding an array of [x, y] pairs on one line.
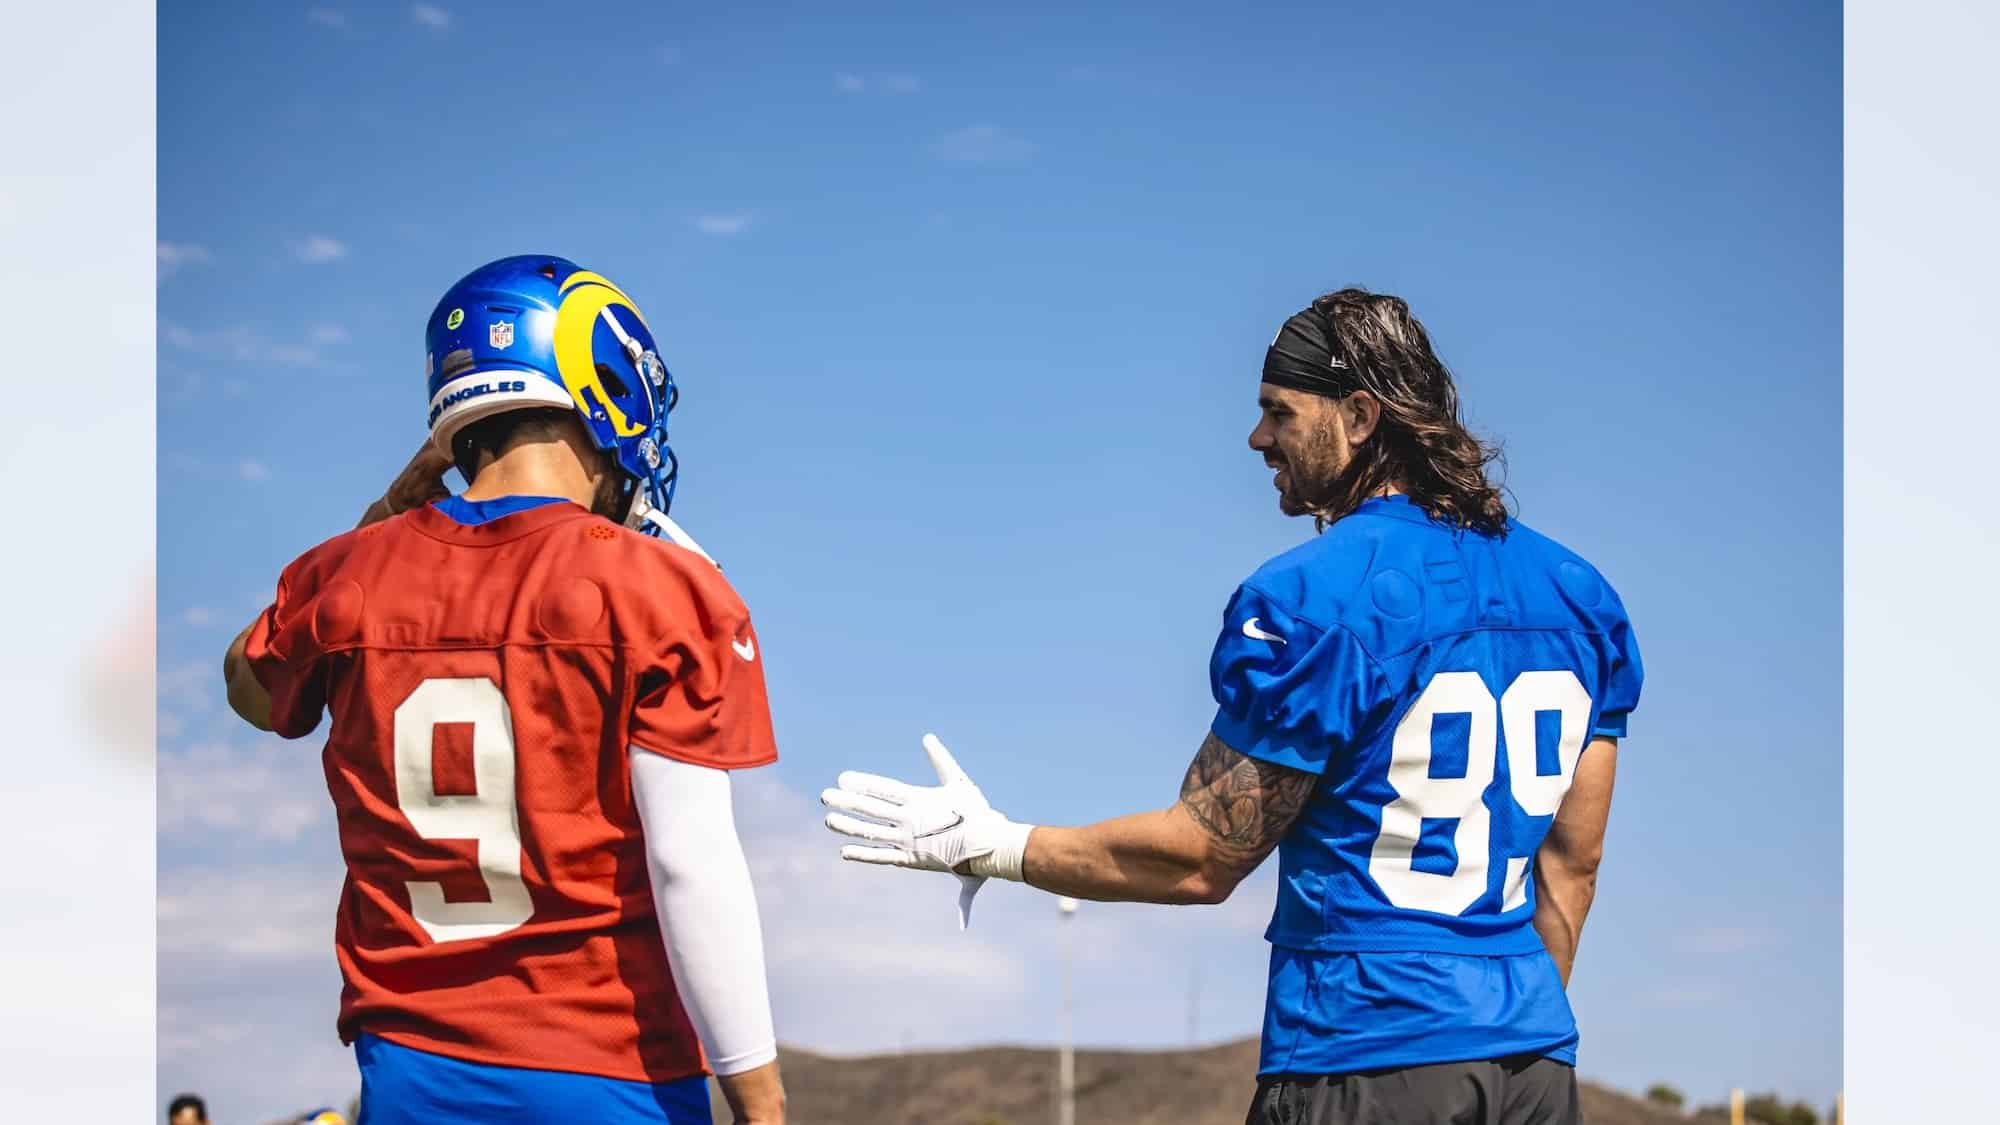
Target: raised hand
{"points": [[945, 827], [420, 482]]}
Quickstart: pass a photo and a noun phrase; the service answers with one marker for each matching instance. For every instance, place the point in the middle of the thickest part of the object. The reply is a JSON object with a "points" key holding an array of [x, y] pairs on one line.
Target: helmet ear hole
{"points": [[612, 382]]}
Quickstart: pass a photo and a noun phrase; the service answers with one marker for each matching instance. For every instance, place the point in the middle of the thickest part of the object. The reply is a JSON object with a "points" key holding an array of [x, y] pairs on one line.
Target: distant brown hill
{"points": [[1016, 1086]]}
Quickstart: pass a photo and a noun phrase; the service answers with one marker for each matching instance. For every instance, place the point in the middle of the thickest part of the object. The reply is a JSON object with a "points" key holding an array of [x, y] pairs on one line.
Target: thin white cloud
{"points": [[327, 17], [1723, 940], [319, 249], [723, 226], [326, 334], [198, 616], [174, 255], [270, 792], [191, 688], [253, 471], [187, 1031], [983, 144], [1685, 995], [253, 1034], [848, 82], [265, 913], [245, 345], [431, 16]]}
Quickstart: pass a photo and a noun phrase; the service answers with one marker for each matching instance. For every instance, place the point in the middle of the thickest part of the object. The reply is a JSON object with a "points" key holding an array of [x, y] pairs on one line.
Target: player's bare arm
{"points": [[1244, 804], [247, 696], [1566, 864], [1232, 812], [755, 1097]]}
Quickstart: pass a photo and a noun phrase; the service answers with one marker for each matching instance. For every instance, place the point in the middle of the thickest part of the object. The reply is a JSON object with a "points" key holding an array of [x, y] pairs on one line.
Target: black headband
{"points": [[1302, 357]]}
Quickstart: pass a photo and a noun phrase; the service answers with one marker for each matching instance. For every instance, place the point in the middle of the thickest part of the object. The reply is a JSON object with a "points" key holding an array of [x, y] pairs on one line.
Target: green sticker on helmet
{"points": [[456, 318]]}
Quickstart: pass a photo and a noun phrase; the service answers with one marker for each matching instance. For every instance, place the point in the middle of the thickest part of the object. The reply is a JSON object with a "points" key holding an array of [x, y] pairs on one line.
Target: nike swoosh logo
{"points": [[1251, 630], [745, 649]]}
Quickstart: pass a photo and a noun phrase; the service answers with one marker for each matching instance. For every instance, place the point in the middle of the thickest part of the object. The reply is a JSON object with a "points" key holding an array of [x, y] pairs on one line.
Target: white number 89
{"points": [[1420, 797]]}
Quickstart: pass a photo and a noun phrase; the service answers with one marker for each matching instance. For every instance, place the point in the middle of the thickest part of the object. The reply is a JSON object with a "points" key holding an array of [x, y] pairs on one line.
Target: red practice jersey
{"points": [[484, 683]]}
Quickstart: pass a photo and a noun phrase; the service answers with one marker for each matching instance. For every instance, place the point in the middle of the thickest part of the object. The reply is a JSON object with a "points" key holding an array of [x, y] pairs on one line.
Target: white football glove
{"points": [[931, 828]]}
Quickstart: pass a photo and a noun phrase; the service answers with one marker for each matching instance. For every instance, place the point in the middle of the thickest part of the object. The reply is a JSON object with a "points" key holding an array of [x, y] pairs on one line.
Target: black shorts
{"points": [[1522, 1090]]}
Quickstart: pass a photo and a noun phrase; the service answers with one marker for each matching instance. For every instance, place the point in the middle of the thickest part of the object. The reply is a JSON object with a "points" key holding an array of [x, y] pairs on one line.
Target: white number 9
{"points": [[490, 815]]}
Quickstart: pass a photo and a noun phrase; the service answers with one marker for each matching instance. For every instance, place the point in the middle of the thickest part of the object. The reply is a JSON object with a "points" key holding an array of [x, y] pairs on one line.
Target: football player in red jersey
{"points": [[534, 707]]}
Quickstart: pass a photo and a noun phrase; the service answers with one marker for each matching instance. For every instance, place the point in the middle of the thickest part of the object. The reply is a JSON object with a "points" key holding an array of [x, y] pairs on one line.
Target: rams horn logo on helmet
{"points": [[585, 297]]}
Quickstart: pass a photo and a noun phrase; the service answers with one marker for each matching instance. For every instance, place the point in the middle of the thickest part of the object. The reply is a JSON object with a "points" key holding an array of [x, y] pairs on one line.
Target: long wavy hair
{"points": [[1420, 444]]}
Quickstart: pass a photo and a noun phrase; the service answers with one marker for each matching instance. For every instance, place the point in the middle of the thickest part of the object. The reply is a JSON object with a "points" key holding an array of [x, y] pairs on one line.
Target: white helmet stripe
{"points": [[477, 394], [632, 347]]}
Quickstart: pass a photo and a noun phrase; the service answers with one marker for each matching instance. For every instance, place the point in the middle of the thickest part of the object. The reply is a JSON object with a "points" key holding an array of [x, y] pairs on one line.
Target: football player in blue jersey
{"points": [[1419, 709]]}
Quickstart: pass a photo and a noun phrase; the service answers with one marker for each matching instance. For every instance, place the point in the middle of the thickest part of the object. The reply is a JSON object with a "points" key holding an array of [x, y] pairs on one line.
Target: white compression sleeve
{"points": [[707, 908]]}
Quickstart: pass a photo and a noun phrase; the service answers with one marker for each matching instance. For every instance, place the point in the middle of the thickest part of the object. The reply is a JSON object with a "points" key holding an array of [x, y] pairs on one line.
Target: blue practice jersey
{"points": [[1443, 684]]}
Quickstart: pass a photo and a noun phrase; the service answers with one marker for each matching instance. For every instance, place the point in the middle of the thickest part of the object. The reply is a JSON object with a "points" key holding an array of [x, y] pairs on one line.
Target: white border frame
{"points": [[1922, 612]]}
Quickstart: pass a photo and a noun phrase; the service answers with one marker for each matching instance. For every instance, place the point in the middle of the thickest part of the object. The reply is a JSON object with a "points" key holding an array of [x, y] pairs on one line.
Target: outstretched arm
{"points": [[1566, 863], [1232, 811]]}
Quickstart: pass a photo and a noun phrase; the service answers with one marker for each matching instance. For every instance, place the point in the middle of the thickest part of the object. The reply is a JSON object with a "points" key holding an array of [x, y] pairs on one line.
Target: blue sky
{"points": [[967, 308]]}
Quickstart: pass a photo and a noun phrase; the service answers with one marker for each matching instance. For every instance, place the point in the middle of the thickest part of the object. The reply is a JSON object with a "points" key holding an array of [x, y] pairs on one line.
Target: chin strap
{"points": [[644, 513]]}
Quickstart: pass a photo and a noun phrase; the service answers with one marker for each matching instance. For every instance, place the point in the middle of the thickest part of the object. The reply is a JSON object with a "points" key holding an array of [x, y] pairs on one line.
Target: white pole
{"points": [[1066, 1072]]}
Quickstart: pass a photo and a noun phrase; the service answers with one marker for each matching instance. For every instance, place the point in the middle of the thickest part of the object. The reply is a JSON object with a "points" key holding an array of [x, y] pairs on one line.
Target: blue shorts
{"points": [[404, 1086]]}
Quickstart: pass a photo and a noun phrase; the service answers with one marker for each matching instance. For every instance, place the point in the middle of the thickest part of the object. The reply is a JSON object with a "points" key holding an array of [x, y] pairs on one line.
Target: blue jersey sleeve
{"points": [[1624, 675], [1287, 691]]}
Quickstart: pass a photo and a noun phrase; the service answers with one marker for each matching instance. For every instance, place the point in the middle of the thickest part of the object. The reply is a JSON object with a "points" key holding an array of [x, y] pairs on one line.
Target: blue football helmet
{"points": [[540, 331]]}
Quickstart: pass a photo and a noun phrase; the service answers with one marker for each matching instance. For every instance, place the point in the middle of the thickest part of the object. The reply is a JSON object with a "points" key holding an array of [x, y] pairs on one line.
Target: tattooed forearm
{"points": [[1232, 811], [1245, 804]]}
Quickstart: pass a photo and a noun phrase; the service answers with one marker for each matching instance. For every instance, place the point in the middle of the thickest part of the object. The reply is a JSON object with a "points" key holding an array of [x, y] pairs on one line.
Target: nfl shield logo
{"points": [[501, 333]]}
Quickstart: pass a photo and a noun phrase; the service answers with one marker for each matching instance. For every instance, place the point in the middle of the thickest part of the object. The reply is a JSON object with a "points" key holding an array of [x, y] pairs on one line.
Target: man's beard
{"points": [[1310, 498], [1313, 474]]}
